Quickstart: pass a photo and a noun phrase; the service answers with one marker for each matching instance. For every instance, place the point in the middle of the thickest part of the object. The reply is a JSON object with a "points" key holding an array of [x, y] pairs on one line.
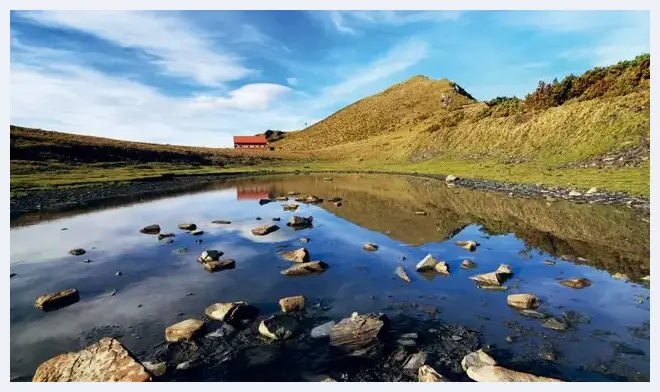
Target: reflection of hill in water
{"points": [[611, 238]]}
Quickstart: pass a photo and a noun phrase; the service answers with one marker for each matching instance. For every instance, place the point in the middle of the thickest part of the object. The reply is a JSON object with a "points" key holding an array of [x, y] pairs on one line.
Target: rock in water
{"points": [[451, 178], [303, 269], [292, 304], [151, 229], [415, 362], [505, 270], [428, 374], [620, 276], [553, 323], [303, 239], [57, 300], [359, 336], [468, 264], [500, 374], [265, 229], [469, 245], [442, 268], [278, 327], [77, 251], [184, 330], [533, 313], [401, 273], [165, 235], [490, 278], [523, 301], [210, 255], [290, 207], [197, 232], [105, 361], [576, 283], [157, 369], [221, 222], [292, 193], [427, 264], [322, 330], [297, 256], [282, 198], [300, 222], [232, 312], [188, 226], [311, 199], [370, 247], [219, 265], [264, 201]]}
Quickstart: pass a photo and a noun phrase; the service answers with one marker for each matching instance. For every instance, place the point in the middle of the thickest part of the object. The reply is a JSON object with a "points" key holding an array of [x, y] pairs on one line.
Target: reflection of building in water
{"points": [[253, 192]]}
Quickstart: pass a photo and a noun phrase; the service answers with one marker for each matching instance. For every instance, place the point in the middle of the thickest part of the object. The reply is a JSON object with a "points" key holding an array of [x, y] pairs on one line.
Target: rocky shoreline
{"points": [[65, 199]]}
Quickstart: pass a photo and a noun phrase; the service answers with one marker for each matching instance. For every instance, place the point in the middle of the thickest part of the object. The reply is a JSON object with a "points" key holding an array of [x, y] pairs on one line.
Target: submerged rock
{"points": [[553, 323], [533, 313], [184, 330], [468, 264], [292, 304], [231, 312], [57, 300], [180, 251], [359, 336], [221, 222], [210, 255], [304, 269], [77, 251], [187, 226], [265, 229], [278, 327], [151, 229], [523, 301], [300, 222], [401, 273], [297, 256], [576, 283], [370, 247], [290, 207], [322, 330], [469, 245], [219, 265], [427, 374], [105, 361], [427, 264]]}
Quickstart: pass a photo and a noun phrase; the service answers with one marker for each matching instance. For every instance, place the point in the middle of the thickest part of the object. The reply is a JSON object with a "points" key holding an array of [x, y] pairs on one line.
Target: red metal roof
{"points": [[250, 140]]}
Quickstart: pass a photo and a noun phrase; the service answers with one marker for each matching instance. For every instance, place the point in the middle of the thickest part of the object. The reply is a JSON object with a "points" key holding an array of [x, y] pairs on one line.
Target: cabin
{"points": [[250, 142]]}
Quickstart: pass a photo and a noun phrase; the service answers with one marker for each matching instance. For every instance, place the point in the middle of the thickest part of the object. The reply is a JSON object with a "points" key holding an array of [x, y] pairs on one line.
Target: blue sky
{"points": [[199, 77]]}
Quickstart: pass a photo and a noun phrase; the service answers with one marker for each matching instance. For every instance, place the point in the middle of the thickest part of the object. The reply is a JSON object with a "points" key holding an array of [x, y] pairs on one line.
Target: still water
{"points": [[158, 287]]}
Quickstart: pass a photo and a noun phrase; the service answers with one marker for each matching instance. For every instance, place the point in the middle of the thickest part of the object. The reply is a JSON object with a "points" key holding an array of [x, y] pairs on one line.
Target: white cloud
{"points": [[256, 96], [350, 22], [292, 81], [338, 22], [175, 46], [251, 34]]}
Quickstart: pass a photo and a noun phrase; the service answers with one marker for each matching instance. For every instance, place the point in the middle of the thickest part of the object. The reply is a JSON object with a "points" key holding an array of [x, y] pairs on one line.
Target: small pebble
{"points": [[118, 273]]}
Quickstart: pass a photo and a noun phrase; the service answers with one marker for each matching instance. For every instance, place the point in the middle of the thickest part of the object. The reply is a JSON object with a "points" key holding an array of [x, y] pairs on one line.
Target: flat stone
{"points": [[574, 193], [490, 278], [184, 330], [265, 229], [576, 283], [401, 273], [469, 245], [322, 330], [197, 232], [278, 327], [219, 265], [427, 374], [553, 323], [184, 366], [150, 229], [290, 207], [187, 226], [292, 304], [105, 361], [210, 255], [231, 312], [77, 251], [500, 374], [221, 222], [426, 264], [533, 313], [57, 300], [549, 262], [370, 247], [297, 256], [468, 264], [221, 332], [415, 361], [591, 191], [359, 336], [282, 198], [523, 301], [422, 213], [304, 269], [157, 369], [490, 287]]}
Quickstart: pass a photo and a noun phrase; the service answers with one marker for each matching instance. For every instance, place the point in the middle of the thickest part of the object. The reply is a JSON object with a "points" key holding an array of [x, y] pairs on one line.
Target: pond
{"points": [[133, 286]]}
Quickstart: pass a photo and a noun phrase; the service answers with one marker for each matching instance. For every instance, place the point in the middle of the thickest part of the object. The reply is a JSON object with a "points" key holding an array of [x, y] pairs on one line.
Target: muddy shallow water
{"points": [[608, 338]]}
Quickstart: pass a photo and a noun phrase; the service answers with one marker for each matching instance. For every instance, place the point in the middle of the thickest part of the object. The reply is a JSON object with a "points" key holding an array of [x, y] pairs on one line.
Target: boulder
{"points": [[292, 304], [278, 327], [523, 301], [221, 222], [219, 265], [304, 269], [290, 207], [477, 359], [500, 374], [265, 229], [297, 256], [428, 374], [401, 273], [468, 264], [322, 330], [427, 264], [210, 255], [359, 336], [157, 369], [105, 361], [57, 300], [165, 235], [184, 330], [442, 268], [188, 226], [421, 213], [415, 362], [451, 178], [300, 222], [469, 245], [197, 232], [370, 247], [77, 251], [151, 229], [576, 283], [231, 312]]}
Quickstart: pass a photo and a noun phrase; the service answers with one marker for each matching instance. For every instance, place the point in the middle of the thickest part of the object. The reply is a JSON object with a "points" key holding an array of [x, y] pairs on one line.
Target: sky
{"points": [[200, 77]]}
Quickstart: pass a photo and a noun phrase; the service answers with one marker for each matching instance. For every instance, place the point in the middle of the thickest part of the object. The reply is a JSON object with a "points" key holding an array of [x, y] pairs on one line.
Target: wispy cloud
{"points": [[352, 22], [173, 45]]}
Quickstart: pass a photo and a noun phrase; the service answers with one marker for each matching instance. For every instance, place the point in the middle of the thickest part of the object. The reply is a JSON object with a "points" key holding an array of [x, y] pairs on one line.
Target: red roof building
{"points": [[250, 142]]}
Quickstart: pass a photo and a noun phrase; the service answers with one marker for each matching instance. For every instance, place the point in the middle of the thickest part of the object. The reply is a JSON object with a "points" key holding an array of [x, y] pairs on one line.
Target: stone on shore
{"points": [[334, 199], [210, 255], [620, 276], [292, 304], [304, 269], [187, 226], [265, 229], [427, 264], [370, 247], [290, 207], [427, 374], [151, 229], [157, 369], [278, 327], [57, 300], [576, 283], [300, 221], [451, 178], [500, 374], [591, 191], [523, 301], [105, 361], [219, 265], [401, 273], [231, 312], [468, 264], [477, 359], [414, 362], [574, 193], [165, 235], [359, 336], [297, 256], [77, 252], [469, 245], [184, 330], [322, 330]]}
